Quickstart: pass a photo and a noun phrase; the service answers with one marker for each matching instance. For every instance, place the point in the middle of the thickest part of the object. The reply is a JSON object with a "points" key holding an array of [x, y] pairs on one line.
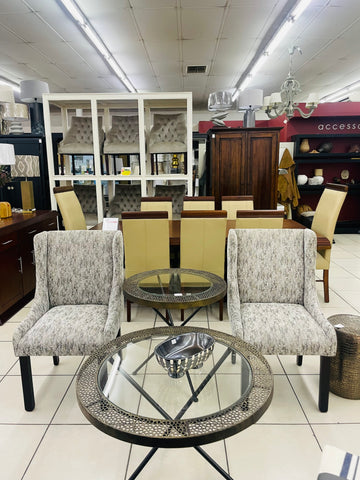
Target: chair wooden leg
{"points": [[182, 315], [56, 360], [326, 285], [27, 383], [128, 310], [324, 383], [299, 359], [221, 309]]}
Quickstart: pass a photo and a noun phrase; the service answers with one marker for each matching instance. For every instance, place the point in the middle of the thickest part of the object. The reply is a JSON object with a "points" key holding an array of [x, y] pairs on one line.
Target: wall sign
{"points": [[336, 127]]}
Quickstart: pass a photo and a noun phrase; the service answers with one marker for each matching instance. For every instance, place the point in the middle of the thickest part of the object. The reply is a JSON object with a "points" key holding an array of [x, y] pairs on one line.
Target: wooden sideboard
{"points": [[17, 266]]}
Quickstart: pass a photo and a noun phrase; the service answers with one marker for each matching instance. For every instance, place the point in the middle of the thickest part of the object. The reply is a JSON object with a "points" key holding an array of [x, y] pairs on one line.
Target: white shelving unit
{"points": [[105, 105]]}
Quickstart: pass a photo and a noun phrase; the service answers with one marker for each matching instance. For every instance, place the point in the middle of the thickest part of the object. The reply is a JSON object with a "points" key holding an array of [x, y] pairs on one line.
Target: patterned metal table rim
{"points": [[215, 292], [156, 432]]}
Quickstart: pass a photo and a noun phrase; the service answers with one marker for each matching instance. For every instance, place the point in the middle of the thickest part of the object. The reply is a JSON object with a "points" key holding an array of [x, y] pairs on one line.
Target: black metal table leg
{"points": [[213, 463], [194, 396], [143, 463]]}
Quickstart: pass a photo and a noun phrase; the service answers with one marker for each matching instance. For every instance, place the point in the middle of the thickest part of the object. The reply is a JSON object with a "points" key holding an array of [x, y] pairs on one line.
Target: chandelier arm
{"points": [[306, 114]]}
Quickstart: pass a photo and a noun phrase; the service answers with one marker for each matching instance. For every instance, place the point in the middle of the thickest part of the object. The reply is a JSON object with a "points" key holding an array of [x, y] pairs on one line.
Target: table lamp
{"points": [[31, 91], [26, 166], [7, 157], [15, 113]]}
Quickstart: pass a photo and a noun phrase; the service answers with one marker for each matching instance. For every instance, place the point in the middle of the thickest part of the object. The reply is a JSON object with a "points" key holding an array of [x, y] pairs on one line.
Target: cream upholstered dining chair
{"points": [[199, 203], [259, 219], [324, 223], [236, 202], [202, 242], [146, 243], [272, 300], [78, 304], [71, 212], [156, 204]]}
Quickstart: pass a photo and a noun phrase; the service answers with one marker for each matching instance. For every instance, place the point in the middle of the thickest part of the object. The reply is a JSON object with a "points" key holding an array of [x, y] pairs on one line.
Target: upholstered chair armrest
{"points": [[116, 300], [41, 300], [233, 297], [311, 301]]}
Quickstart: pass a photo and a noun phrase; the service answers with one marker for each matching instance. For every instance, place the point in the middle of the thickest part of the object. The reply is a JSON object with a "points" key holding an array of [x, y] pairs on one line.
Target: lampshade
{"points": [[221, 100], [32, 90], [313, 98], [250, 99], [275, 98], [266, 101], [15, 111], [26, 166], [7, 154], [6, 94]]}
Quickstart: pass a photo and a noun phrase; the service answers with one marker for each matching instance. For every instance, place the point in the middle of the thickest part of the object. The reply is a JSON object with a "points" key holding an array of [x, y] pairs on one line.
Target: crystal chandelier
{"points": [[282, 102]]}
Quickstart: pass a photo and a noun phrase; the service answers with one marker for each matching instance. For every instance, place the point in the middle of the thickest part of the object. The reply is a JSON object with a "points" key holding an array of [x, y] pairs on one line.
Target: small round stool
{"points": [[345, 366]]}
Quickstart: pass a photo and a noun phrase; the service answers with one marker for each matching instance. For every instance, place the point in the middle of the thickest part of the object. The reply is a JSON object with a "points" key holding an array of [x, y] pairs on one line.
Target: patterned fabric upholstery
{"points": [[272, 299], [123, 137], [78, 304], [176, 192], [79, 138], [127, 198], [168, 134]]}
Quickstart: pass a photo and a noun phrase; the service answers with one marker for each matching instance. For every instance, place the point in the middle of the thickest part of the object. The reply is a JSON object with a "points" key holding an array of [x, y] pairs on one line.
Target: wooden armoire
{"points": [[243, 161]]}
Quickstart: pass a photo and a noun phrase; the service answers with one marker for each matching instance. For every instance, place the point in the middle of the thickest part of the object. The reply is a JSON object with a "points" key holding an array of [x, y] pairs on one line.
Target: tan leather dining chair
{"points": [[236, 202], [72, 215], [324, 223], [259, 219], [156, 204], [146, 243], [199, 203], [202, 242]]}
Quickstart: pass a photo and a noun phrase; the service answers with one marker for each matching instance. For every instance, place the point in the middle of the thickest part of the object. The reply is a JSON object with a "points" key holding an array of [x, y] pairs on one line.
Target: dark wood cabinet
{"points": [[243, 162], [17, 266]]}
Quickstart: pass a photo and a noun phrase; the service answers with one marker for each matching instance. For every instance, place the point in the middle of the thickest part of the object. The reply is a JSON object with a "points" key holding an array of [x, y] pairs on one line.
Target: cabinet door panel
{"points": [[10, 272], [262, 164], [229, 176]]}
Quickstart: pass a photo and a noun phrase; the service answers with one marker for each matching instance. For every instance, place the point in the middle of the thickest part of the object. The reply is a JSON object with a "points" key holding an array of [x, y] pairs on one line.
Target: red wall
{"points": [[328, 118]]}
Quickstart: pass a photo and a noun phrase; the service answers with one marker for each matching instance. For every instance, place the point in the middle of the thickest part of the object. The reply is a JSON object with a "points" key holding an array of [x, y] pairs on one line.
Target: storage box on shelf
{"points": [[126, 156], [338, 165]]}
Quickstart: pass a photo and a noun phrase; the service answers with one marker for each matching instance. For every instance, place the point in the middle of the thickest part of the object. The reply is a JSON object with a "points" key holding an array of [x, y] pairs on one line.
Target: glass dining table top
{"points": [[126, 392], [175, 288]]}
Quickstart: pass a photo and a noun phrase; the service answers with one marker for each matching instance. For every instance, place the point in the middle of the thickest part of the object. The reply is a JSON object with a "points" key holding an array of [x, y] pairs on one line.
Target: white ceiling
{"points": [[155, 40]]}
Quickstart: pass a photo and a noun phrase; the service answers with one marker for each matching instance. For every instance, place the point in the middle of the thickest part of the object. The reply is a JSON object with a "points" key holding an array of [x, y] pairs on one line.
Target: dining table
{"points": [[323, 242]]}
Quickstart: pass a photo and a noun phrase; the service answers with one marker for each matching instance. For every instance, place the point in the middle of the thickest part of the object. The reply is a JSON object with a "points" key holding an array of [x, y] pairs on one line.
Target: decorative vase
{"points": [[304, 146]]}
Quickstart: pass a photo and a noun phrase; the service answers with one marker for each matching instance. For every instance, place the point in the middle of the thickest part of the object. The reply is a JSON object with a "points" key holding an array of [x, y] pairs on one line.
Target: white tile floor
{"points": [[56, 441]]}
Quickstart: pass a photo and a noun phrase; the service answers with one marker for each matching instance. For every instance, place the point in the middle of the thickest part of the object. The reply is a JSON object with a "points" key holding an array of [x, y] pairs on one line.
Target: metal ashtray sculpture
{"points": [[189, 350]]}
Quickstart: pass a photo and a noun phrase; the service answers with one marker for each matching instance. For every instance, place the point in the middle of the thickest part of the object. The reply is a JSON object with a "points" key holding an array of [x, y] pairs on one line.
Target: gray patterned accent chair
{"points": [[127, 198], [176, 192], [272, 299], [78, 304]]}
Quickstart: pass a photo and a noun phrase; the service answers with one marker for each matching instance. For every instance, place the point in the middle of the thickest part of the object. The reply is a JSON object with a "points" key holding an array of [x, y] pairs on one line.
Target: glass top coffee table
{"points": [[229, 389], [175, 288]]}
